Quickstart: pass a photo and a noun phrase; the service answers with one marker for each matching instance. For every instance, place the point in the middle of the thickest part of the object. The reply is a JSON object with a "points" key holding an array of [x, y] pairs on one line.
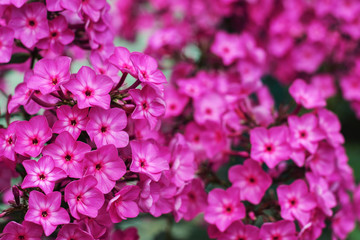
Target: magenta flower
{"points": [[209, 107], [101, 65], [224, 208], [239, 231], [6, 44], [105, 127], [182, 164], [83, 197], [90, 89], [107, 167], [251, 179], [68, 154], [228, 47], [7, 141], [270, 146], [146, 159], [191, 201], [42, 174], [330, 125], [295, 201], [147, 68], [72, 120], [16, 3], [121, 60], [325, 198], [30, 23], [73, 231], [278, 230], [32, 135], [45, 210], [323, 161], [306, 95], [304, 132], [149, 105], [26, 231], [124, 205], [50, 74], [58, 37], [175, 102]]}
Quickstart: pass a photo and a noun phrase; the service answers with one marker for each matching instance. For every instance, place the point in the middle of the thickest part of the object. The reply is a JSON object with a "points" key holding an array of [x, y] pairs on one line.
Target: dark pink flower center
{"points": [[35, 141], [226, 50], [251, 179], [73, 122], [208, 111], [68, 157], [98, 166], [303, 134], [145, 105], [21, 237], [241, 238], [172, 106], [42, 176], [293, 202], [269, 148], [142, 163], [103, 129], [79, 197], [144, 74], [9, 141], [228, 209], [276, 237], [54, 34], [31, 23], [54, 81], [88, 92], [192, 196], [44, 214]]}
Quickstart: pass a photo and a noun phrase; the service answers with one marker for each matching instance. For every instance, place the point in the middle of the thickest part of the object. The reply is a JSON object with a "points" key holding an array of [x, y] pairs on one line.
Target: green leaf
{"points": [[19, 58]]}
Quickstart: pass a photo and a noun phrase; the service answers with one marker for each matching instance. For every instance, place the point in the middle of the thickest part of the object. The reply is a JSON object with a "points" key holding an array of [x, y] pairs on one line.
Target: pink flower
{"points": [[149, 105], [26, 231], [270, 146], [307, 57], [72, 120], [323, 161], [107, 167], [73, 231], [228, 47], [124, 205], [6, 44], [147, 69], [306, 95], [16, 3], [90, 89], [295, 201], [68, 154], [83, 197], [330, 125], [304, 132], [131, 233], [325, 84], [182, 164], [102, 66], [224, 208], [191, 201], [32, 135], [50, 74], [58, 37], [45, 210], [239, 231], [175, 102], [30, 23], [7, 141], [121, 60], [209, 107], [146, 159], [105, 127], [251, 180], [278, 230], [42, 174], [325, 198]]}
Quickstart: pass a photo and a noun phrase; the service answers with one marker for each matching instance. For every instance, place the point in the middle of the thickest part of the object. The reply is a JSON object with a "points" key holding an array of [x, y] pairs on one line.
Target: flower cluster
{"points": [[82, 150]]}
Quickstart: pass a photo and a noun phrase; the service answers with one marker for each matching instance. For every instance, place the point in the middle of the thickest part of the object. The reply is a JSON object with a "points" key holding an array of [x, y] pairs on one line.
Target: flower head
{"points": [[83, 197], [45, 210], [106, 166], [42, 174], [25, 231]]}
